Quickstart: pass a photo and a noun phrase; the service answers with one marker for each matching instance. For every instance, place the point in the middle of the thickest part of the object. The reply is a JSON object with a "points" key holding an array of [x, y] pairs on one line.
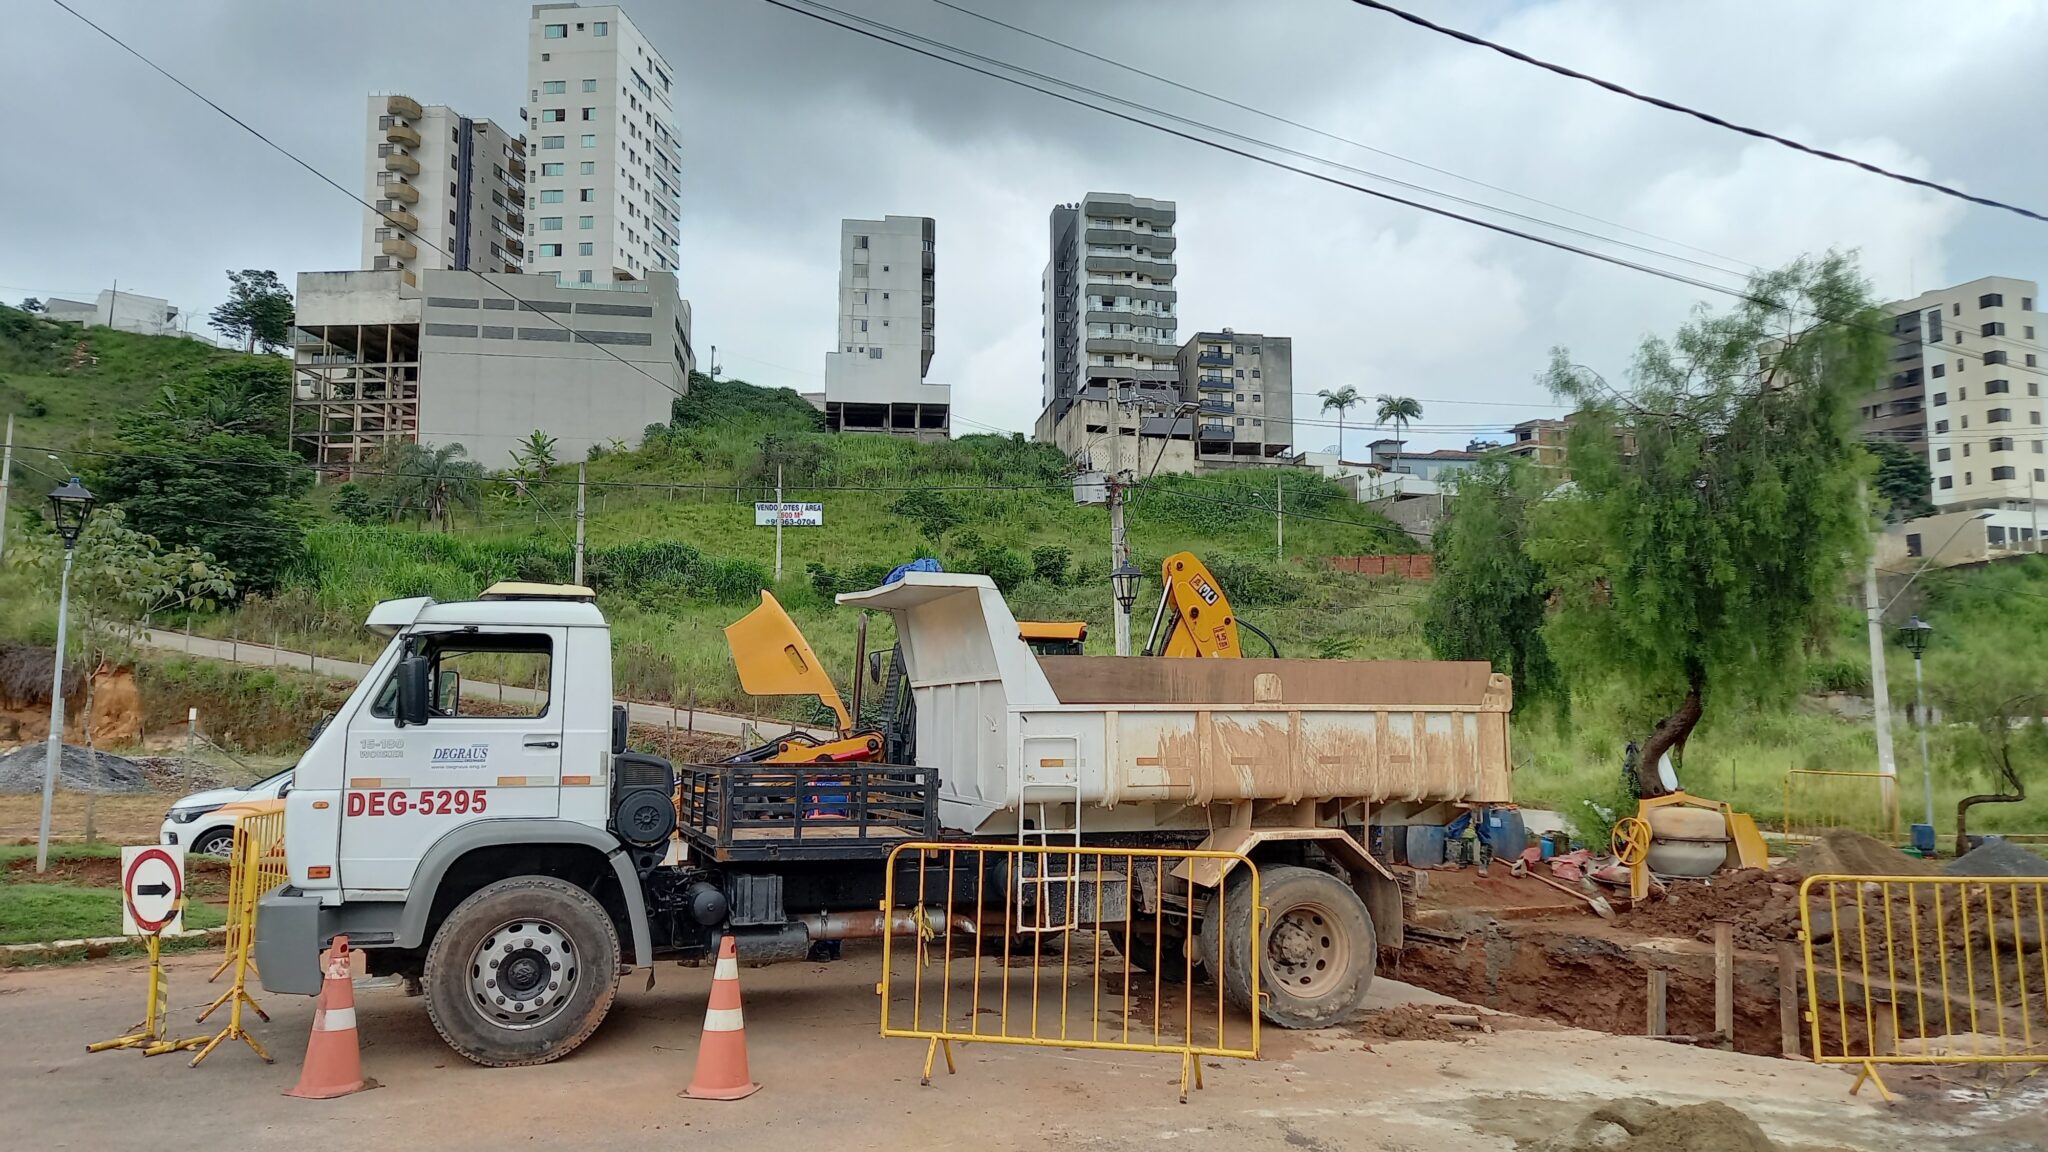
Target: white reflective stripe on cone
{"points": [[723, 1020], [335, 1020], [727, 969]]}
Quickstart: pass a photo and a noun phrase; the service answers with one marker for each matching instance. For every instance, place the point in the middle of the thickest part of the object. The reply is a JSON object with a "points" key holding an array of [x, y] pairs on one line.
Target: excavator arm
{"points": [[1194, 616]]}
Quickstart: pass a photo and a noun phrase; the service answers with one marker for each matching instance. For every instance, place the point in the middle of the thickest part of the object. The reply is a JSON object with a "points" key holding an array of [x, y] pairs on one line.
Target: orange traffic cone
{"points": [[334, 1061], [722, 1054]]}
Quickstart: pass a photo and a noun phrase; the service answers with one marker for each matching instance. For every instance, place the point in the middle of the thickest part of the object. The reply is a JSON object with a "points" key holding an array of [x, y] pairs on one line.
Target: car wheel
{"points": [[215, 842]]}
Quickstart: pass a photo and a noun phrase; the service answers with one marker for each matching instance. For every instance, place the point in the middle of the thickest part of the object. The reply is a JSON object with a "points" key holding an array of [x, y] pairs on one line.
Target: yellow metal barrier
{"points": [[1867, 802], [1925, 970], [1071, 948], [256, 867]]}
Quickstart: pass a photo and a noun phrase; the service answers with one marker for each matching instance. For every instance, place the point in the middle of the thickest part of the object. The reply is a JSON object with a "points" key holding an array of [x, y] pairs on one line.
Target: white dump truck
{"points": [[517, 864]]}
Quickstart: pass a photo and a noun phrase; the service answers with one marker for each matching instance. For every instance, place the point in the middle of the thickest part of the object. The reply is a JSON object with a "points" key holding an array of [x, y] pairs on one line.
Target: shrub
{"points": [[1049, 563]]}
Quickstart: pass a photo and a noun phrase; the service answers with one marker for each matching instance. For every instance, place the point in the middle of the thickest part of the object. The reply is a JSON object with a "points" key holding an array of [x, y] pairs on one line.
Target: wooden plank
{"points": [[1654, 1018], [1788, 998], [1724, 982]]}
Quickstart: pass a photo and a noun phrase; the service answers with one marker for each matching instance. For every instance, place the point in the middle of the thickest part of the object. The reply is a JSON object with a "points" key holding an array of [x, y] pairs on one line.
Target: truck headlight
{"points": [[192, 812]]}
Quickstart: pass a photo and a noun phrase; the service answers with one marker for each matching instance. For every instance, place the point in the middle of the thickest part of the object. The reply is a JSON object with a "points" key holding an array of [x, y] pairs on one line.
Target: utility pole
{"points": [[582, 474], [778, 523], [2033, 505], [54, 752], [6, 471], [1279, 520], [1119, 548], [1873, 612]]}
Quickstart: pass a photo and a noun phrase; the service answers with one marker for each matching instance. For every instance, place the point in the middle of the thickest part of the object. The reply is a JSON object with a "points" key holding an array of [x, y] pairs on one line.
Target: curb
{"points": [[96, 948]]}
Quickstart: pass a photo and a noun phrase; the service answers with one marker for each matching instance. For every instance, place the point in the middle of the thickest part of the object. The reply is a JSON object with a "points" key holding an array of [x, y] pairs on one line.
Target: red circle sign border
{"points": [[152, 927]]}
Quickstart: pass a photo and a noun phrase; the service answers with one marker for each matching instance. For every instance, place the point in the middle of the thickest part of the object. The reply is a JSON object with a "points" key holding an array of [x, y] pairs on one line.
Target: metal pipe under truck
{"points": [[518, 865]]}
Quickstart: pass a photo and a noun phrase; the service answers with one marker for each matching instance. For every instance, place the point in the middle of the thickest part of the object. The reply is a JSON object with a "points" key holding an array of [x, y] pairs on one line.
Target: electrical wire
{"points": [[1695, 113]]}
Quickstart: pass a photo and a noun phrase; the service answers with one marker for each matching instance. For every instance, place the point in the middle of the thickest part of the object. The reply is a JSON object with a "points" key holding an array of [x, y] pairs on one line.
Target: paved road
{"points": [[832, 1082], [241, 652]]}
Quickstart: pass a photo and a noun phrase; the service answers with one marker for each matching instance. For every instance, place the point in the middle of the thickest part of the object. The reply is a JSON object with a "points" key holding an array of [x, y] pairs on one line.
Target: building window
{"points": [[590, 139], [2034, 417], [586, 223], [1941, 454], [1946, 482], [874, 353], [2026, 303], [1963, 394], [590, 85], [551, 223], [1990, 300], [600, 28], [551, 249], [860, 242], [1969, 478], [1999, 415], [1997, 357], [551, 196], [1994, 535], [583, 276], [587, 195], [1995, 328], [2039, 447], [2001, 443], [590, 113], [554, 31], [551, 142], [1997, 386], [1255, 373], [552, 115], [587, 168], [1912, 544], [1940, 399], [2005, 473], [1941, 425], [554, 169], [554, 87], [586, 248]]}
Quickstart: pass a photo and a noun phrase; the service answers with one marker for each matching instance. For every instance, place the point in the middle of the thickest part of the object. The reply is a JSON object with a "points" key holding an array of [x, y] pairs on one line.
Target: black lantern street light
{"points": [[1914, 635], [1123, 581], [70, 507]]}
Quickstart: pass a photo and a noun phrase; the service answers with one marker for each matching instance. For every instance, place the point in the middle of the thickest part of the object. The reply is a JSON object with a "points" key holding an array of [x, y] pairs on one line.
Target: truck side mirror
{"points": [[412, 689], [620, 719]]}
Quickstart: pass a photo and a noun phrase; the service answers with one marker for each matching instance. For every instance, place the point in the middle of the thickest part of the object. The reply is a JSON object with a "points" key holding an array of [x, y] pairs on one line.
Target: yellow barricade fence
{"points": [[1070, 947], [256, 867], [1925, 970], [1867, 802]]}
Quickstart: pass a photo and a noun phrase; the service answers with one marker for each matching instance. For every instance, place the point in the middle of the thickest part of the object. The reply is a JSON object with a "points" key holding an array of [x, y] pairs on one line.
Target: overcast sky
{"points": [[788, 125]]}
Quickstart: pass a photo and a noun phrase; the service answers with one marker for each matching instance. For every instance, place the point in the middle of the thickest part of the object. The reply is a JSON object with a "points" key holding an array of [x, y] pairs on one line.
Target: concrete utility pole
{"points": [[1119, 546], [6, 471], [582, 474], [778, 523], [1873, 614], [1279, 520]]}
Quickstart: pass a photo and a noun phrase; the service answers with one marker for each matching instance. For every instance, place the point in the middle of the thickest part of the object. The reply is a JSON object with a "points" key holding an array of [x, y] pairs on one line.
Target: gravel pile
{"points": [[1997, 858], [22, 771]]}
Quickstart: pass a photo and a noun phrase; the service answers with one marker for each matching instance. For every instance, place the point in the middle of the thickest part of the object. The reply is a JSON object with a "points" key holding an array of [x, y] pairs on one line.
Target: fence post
{"points": [[188, 633], [191, 730], [276, 647], [1654, 1025], [1724, 983], [235, 643], [1788, 998], [693, 710]]}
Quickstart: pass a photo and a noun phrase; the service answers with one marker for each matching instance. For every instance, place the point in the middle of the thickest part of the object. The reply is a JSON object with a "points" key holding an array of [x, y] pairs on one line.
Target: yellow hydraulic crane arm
{"points": [[774, 659], [1194, 617]]}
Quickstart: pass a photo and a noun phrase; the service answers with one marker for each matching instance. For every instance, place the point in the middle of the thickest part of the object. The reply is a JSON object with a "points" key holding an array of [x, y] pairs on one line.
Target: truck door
{"points": [[491, 748]]}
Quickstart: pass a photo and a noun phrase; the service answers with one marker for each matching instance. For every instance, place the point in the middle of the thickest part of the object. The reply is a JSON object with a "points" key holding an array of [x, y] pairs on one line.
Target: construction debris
{"points": [[1998, 858], [1645, 1126], [78, 770], [1841, 852]]}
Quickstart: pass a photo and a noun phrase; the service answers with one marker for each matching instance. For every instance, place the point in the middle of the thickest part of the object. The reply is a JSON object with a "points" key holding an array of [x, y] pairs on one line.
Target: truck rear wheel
{"points": [[1316, 946], [522, 972]]}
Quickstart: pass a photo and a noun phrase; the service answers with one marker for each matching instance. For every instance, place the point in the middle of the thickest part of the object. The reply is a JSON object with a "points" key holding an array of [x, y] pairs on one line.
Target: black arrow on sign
{"points": [[152, 889]]}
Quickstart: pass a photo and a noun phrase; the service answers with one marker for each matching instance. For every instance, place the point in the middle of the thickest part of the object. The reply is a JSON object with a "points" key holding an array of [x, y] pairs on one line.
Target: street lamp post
{"points": [[1123, 581], [70, 505], [1914, 636]]}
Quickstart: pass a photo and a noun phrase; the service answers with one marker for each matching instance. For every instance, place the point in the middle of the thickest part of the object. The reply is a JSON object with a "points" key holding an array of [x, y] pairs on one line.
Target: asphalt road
{"points": [[832, 1082]]}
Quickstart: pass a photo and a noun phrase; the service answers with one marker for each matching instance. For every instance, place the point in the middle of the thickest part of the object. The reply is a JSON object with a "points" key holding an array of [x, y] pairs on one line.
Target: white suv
{"points": [[195, 821]]}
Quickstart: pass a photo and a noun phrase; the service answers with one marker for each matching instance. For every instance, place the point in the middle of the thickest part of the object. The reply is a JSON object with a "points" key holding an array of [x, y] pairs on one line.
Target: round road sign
{"points": [[153, 885]]}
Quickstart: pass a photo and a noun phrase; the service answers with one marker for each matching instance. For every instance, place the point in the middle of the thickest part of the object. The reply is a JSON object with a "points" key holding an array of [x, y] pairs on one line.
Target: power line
{"points": [[1332, 136], [1695, 113]]}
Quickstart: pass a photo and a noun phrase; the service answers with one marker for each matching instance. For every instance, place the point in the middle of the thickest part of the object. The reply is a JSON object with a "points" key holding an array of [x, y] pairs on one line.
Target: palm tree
{"points": [[531, 463], [431, 480], [1343, 400], [1398, 411]]}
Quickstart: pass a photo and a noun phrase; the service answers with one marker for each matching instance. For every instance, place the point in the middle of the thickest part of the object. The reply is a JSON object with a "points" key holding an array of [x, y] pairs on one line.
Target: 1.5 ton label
{"points": [[423, 802]]}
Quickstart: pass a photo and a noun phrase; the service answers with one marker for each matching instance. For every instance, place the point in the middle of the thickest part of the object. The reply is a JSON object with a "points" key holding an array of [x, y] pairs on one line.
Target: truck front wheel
{"points": [[522, 972], [1316, 947]]}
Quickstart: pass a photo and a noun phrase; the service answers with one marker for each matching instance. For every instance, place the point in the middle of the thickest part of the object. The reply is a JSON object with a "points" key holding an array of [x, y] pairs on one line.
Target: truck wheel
{"points": [[1171, 950], [522, 972], [1317, 948]]}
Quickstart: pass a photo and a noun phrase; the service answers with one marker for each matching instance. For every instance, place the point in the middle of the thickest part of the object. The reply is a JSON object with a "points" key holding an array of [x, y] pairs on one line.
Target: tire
{"points": [[219, 842], [1317, 950], [553, 938], [1173, 956]]}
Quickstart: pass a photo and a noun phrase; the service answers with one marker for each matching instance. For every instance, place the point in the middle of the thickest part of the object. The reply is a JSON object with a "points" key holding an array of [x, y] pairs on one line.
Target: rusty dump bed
{"points": [[1155, 740]]}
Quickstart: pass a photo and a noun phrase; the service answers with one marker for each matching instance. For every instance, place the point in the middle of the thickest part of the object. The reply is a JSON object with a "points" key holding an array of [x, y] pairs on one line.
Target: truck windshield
{"points": [[487, 673]]}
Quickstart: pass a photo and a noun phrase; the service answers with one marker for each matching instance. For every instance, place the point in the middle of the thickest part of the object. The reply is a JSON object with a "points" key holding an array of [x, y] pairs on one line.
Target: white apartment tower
{"points": [[874, 377], [447, 190], [1110, 304], [605, 177]]}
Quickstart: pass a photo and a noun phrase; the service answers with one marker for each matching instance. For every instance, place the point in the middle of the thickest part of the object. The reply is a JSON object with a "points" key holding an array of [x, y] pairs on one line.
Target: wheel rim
{"points": [[1307, 953], [523, 973], [217, 845]]}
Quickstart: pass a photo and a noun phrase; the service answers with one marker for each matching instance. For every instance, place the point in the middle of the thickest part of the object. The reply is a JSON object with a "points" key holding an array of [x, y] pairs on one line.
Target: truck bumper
{"points": [[289, 936]]}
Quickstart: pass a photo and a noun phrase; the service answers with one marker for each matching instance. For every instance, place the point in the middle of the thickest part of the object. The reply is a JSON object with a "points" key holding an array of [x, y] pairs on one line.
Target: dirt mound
{"points": [[1998, 858], [1763, 906], [22, 771], [1843, 852], [1645, 1126], [1407, 1022]]}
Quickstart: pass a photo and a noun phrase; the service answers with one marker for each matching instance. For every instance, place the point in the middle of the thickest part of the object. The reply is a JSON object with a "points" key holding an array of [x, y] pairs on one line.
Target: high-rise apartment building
{"points": [[1242, 386], [1964, 389], [604, 171], [447, 188], [875, 375], [1109, 298]]}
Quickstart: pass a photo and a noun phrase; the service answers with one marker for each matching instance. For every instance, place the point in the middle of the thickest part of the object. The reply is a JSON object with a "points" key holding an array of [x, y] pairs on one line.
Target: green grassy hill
{"points": [[66, 386]]}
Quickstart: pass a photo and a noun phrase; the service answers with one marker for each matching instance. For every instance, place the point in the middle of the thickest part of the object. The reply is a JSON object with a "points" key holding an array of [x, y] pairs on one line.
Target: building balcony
{"points": [[1212, 383], [400, 190], [515, 245], [400, 247], [400, 162], [1218, 432], [517, 166], [402, 218], [1221, 407], [404, 134], [404, 106], [1213, 360]]}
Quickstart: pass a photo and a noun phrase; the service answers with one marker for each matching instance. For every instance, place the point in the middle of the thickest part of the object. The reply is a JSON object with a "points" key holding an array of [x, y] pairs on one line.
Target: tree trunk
{"points": [[1670, 735], [1963, 806]]}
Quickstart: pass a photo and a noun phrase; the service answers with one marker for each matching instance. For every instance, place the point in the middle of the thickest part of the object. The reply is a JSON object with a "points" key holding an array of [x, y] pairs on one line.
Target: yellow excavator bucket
{"points": [[774, 659], [1200, 622]]}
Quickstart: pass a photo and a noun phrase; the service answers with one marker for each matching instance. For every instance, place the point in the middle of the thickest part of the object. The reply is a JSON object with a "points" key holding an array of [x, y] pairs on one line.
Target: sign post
{"points": [[152, 903]]}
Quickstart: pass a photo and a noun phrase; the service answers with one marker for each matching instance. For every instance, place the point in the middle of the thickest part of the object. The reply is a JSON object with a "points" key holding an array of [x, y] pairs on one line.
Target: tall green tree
{"points": [[258, 310], [1904, 481], [1488, 598], [1716, 513], [531, 463], [415, 480], [1399, 411], [1342, 401]]}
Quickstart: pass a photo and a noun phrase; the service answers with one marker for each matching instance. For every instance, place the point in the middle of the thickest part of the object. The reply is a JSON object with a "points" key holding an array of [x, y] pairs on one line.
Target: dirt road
{"points": [[832, 1082]]}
